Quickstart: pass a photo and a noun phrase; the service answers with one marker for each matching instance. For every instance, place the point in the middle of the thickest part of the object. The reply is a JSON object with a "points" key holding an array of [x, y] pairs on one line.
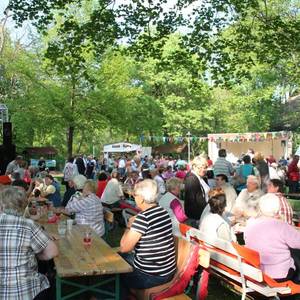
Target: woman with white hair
{"points": [[88, 208], [273, 239], [113, 192], [149, 234], [171, 202], [22, 243]]}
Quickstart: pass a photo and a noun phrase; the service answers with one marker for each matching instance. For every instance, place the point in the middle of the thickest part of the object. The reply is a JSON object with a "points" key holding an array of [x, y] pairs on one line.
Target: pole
{"points": [[189, 146]]}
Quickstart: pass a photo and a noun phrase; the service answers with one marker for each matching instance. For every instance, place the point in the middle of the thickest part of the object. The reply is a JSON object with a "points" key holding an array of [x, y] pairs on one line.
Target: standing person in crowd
{"points": [[88, 208], [22, 243], [196, 190], [122, 166], [181, 173], [80, 164], [149, 234], [171, 162], [42, 164], [90, 167], [111, 163], [275, 187], [209, 162], [14, 165], [113, 192], [70, 170], [51, 190], [293, 175], [246, 204], [156, 175], [243, 172], [223, 166], [168, 173], [173, 205], [136, 163], [263, 170]]}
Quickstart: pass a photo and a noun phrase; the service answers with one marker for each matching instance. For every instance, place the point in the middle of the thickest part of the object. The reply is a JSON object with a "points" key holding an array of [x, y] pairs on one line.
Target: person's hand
{"points": [[54, 237], [238, 212]]}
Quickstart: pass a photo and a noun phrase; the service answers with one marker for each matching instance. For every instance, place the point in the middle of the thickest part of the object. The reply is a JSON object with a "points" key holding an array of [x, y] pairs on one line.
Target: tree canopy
{"points": [[109, 70]]}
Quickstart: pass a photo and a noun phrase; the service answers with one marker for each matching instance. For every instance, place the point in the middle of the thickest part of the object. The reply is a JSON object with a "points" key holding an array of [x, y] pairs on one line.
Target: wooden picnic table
{"points": [[77, 260]]}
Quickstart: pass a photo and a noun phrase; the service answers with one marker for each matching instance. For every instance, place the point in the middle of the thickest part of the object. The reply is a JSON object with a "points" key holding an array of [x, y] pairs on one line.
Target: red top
{"points": [[180, 174], [101, 187], [293, 171]]}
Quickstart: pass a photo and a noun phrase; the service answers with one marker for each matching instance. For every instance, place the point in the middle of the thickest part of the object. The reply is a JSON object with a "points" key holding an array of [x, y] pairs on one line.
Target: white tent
{"points": [[121, 148]]}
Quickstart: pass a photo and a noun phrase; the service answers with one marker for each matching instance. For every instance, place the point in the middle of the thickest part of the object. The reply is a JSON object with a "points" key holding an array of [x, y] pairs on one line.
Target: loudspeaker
{"points": [[7, 133], [7, 154]]}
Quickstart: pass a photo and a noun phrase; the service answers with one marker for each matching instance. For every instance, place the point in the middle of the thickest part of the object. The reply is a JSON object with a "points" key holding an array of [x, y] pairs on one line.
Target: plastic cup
{"points": [[87, 239], [69, 224], [62, 228]]}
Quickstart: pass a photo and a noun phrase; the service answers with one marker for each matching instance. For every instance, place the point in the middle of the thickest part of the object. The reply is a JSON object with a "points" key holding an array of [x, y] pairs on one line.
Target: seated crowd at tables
{"points": [[221, 201]]}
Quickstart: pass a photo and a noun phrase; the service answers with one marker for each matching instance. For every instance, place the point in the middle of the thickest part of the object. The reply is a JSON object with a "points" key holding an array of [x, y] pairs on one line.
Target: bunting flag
{"points": [[224, 137]]}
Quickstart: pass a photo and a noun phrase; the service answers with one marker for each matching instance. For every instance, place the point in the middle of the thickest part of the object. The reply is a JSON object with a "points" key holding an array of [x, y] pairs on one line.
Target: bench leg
{"points": [[58, 287], [203, 285]]}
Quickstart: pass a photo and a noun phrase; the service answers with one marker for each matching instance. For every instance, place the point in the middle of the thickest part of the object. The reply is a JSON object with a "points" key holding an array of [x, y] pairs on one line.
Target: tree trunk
{"points": [[70, 132], [70, 135]]}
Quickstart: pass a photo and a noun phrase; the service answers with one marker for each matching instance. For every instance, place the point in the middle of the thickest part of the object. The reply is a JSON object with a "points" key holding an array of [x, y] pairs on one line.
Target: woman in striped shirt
{"points": [[149, 234]]}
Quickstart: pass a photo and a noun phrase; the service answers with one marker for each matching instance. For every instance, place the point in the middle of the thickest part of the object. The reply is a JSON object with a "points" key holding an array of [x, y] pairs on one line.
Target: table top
{"points": [[75, 259]]}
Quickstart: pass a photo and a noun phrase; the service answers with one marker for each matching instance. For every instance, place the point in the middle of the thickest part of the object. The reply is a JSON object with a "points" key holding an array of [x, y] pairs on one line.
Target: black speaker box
{"points": [[7, 133], [7, 154]]}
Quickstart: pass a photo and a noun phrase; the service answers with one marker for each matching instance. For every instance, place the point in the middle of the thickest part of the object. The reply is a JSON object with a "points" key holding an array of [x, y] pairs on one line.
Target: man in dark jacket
{"points": [[80, 165], [196, 190]]}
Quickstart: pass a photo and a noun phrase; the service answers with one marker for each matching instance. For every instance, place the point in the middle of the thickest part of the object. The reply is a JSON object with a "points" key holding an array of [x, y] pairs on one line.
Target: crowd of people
{"points": [[219, 198]]}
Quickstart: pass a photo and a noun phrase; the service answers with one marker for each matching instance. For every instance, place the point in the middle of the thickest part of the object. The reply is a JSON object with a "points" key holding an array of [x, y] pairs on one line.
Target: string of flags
{"points": [[224, 137]]}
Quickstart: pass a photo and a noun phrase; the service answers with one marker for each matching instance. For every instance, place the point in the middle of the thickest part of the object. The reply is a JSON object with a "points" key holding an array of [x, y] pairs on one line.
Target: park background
{"points": [[76, 75]]}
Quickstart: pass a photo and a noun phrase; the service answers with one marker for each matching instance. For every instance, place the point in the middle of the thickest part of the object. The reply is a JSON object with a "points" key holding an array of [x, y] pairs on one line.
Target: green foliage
{"points": [[105, 71]]}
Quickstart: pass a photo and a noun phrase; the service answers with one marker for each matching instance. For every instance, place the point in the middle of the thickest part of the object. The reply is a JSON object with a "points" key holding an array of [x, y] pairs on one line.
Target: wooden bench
{"points": [[109, 219], [189, 256], [179, 297], [238, 266]]}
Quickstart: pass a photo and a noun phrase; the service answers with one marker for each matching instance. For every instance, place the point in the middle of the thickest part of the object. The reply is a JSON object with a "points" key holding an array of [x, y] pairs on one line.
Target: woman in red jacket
{"points": [[101, 184], [293, 175]]}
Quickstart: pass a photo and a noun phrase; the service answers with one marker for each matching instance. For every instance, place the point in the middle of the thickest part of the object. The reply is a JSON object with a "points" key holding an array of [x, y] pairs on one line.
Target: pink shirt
{"points": [[272, 238]]}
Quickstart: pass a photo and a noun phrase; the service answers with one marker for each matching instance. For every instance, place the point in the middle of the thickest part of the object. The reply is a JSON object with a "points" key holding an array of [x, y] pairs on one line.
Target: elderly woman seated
{"points": [[246, 204], [213, 223], [113, 192], [273, 239], [22, 242], [88, 208], [150, 236], [171, 202]]}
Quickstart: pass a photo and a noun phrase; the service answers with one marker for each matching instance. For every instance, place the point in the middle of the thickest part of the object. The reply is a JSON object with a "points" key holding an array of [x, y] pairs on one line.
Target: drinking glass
{"points": [[87, 238], [62, 228]]}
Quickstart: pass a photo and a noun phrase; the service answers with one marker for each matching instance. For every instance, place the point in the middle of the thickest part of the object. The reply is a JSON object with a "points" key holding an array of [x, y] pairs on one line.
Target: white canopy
{"points": [[121, 147]]}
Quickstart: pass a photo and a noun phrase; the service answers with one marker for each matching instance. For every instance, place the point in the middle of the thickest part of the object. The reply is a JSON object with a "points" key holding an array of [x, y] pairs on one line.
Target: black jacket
{"points": [[194, 201]]}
